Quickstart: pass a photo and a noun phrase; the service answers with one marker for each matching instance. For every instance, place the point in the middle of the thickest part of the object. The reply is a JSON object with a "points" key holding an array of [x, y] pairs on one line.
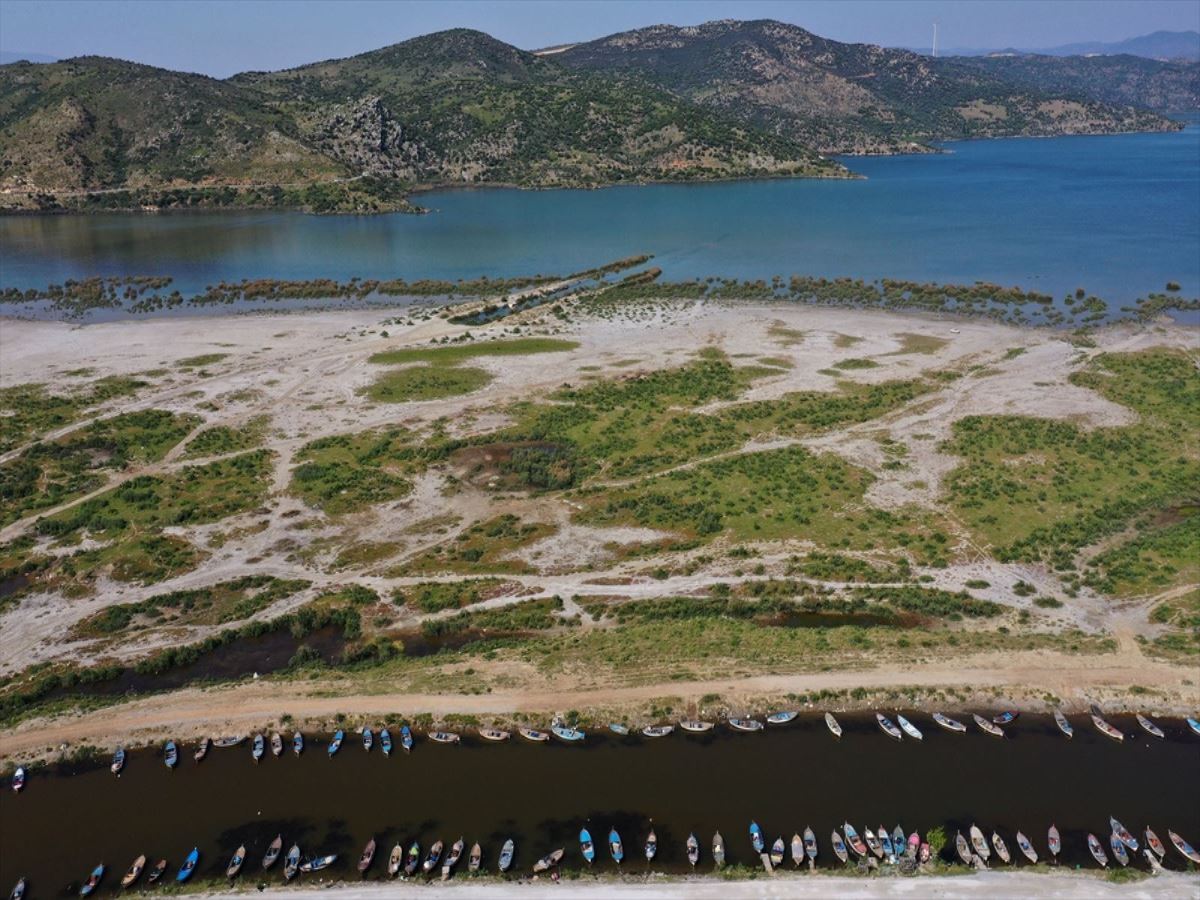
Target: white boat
{"points": [[570, 735], [833, 725], [781, 718], [657, 731], [745, 725], [1149, 727], [909, 728], [444, 737], [888, 728], [948, 723], [989, 727], [532, 734], [695, 726], [1063, 725], [495, 735], [1106, 729]]}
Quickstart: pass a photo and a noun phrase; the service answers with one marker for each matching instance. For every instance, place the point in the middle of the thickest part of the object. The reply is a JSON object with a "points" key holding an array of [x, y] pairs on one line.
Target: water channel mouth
{"points": [[73, 816]]}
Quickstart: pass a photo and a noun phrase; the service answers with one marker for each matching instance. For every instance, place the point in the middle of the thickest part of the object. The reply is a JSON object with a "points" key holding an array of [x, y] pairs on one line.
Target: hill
{"points": [[1156, 45], [844, 98]]}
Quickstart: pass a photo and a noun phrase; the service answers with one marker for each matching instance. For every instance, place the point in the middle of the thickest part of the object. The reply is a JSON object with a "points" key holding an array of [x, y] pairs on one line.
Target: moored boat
{"points": [[445, 737], [93, 881], [618, 728], [797, 849], [853, 840], [1063, 725], [1097, 850], [718, 849], [202, 749], [948, 723], [227, 741], [885, 841], [549, 861], [745, 725], [1185, 849], [695, 726], [586, 847], [914, 845], [531, 734], [336, 744], [564, 733], [317, 863], [1054, 841], [273, 850], [134, 871], [118, 762], [781, 718], [909, 728], [368, 739], [1155, 844], [1123, 833], [385, 742], [297, 743], [651, 846], [1026, 847], [276, 744], [1149, 727], [406, 738], [873, 843], [18, 780], [886, 725], [157, 872], [18, 891], [189, 866], [1153, 861], [236, 862], [1120, 854], [257, 748], [452, 858], [506, 855], [615, 848], [291, 865], [1000, 847], [756, 838], [980, 844], [992, 729], [657, 731], [1005, 717], [810, 844], [368, 854], [495, 735], [839, 846], [432, 857], [1194, 725], [412, 861], [396, 860], [962, 848], [170, 755], [833, 725], [777, 851], [1106, 729], [475, 858], [924, 852], [693, 850], [898, 840]]}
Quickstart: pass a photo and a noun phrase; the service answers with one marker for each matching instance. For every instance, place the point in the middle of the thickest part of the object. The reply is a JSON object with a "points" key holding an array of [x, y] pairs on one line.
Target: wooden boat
{"points": [[297, 743], [873, 843], [291, 865], [445, 737], [948, 723], [1149, 727], [1194, 725], [368, 739], [657, 731], [452, 858], [1005, 717], [18, 781], [797, 849], [412, 861], [224, 743], [1155, 844], [695, 726], [615, 848], [980, 844], [317, 863], [924, 853], [170, 755], [1054, 841], [1106, 729], [93, 881], [1120, 854], [134, 871], [336, 744], [839, 846], [273, 850], [1097, 850], [810, 844], [202, 749], [530, 734], [888, 728], [118, 762], [506, 855], [189, 866], [985, 725], [549, 861], [385, 742], [368, 854], [693, 850], [432, 858], [1063, 725], [475, 858], [909, 728], [276, 744], [18, 891], [618, 728], [1123, 833], [396, 860], [1184, 848], [1027, 848], [962, 848], [236, 862], [651, 846], [718, 849], [853, 840], [257, 748], [1000, 847], [157, 872], [586, 847], [406, 738], [885, 841], [777, 850], [781, 718], [898, 840], [495, 735], [832, 724], [756, 838], [1153, 861], [570, 735], [745, 725]]}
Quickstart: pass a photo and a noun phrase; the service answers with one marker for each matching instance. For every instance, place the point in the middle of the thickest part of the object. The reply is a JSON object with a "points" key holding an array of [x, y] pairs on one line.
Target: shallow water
{"points": [[540, 795], [1118, 215]]}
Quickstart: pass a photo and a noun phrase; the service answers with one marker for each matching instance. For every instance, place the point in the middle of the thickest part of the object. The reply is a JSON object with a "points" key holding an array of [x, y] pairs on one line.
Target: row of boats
{"points": [[879, 845]]}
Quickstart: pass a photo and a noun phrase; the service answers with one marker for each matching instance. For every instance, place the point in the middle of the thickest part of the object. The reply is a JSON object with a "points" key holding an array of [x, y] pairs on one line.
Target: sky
{"points": [[221, 37]]}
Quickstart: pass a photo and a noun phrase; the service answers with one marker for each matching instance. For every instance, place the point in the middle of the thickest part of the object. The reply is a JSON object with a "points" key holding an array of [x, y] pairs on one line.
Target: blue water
{"points": [[1117, 215]]}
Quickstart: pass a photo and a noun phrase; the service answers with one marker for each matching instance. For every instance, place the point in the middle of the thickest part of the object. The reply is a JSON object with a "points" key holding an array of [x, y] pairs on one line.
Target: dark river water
{"points": [[64, 823]]}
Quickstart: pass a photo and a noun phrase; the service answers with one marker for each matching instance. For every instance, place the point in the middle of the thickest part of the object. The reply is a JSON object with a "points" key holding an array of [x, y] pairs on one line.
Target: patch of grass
{"points": [[198, 362], [838, 567], [221, 439], [855, 363], [483, 548], [1181, 616], [845, 341], [30, 410], [918, 343], [435, 596], [346, 472], [531, 615], [1162, 556], [453, 354], [425, 382], [785, 336], [777, 362]]}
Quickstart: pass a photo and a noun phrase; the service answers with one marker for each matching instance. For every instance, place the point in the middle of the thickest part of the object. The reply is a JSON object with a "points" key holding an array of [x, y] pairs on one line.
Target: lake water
{"points": [[540, 795], [1118, 215]]}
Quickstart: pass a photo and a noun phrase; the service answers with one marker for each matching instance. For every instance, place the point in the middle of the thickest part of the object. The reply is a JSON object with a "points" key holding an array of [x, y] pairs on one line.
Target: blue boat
{"points": [[189, 866], [93, 881], [257, 748], [1004, 718], [336, 744], [406, 738], [368, 739], [615, 847], [618, 728], [170, 754], [885, 841], [586, 846], [570, 735], [781, 718], [756, 837], [1193, 724], [385, 742], [297, 743]]}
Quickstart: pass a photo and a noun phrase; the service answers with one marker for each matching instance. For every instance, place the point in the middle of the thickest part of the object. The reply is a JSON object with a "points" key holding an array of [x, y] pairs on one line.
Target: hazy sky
{"points": [[220, 37]]}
